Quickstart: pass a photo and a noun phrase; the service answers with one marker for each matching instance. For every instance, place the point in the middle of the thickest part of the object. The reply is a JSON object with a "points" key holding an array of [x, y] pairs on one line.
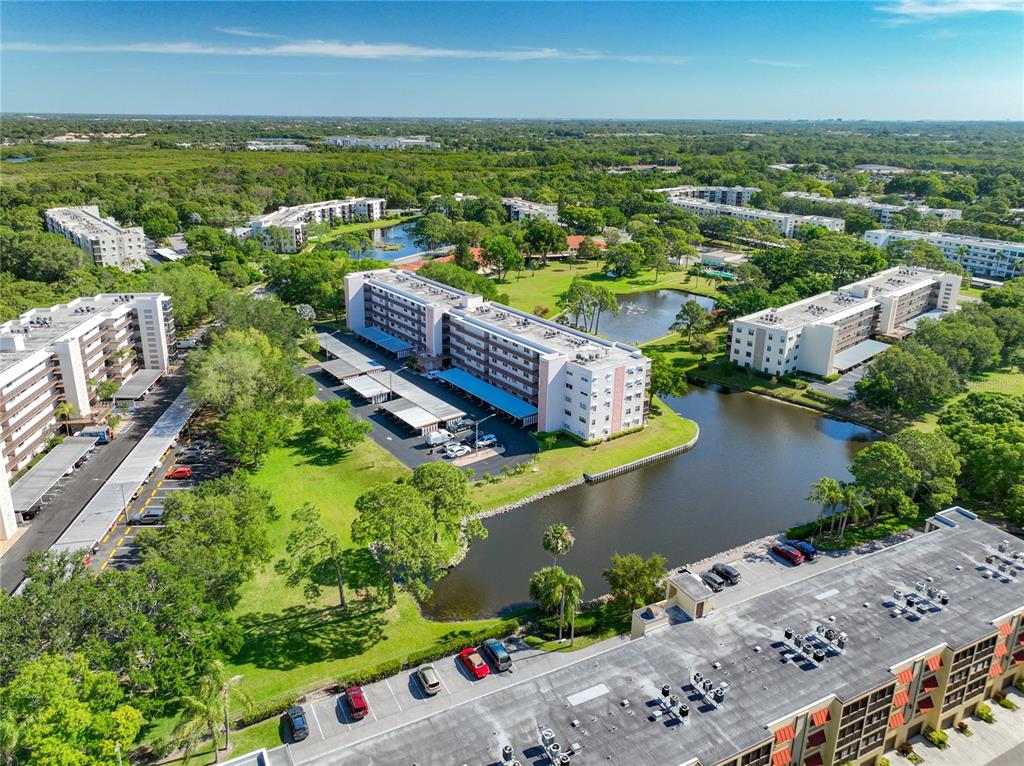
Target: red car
{"points": [[789, 553], [180, 472], [356, 701], [474, 662]]}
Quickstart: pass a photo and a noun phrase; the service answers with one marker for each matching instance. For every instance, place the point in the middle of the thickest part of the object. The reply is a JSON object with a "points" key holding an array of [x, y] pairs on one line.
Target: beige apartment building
{"points": [[108, 243], [285, 230]]}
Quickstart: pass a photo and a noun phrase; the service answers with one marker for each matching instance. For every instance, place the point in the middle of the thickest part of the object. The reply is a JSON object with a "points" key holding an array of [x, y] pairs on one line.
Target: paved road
{"points": [[1013, 757], [78, 489], [408, 447]]}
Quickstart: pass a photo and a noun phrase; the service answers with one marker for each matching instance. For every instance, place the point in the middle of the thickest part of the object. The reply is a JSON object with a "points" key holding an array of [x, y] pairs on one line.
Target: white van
{"points": [[437, 438]]}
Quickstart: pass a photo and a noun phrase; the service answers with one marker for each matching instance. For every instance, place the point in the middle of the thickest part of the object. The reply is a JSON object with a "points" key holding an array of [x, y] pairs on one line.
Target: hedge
{"points": [[265, 710], [820, 396], [373, 673]]}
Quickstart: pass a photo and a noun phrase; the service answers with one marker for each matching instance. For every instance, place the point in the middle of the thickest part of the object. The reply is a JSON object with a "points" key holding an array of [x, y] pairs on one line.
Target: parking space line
{"points": [[104, 564], [312, 709], [443, 684], [393, 696]]}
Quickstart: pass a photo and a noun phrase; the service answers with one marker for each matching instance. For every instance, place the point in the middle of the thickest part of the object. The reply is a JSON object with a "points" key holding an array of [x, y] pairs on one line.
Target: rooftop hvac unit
{"points": [[684, 711], [547, 737], [507, 754], [666, 690]]}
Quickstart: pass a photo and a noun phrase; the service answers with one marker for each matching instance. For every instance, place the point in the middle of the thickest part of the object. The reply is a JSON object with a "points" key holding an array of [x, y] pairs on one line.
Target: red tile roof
{"points": [[995, 670], [818, 717], [575, 240], [896, 720], [782, 757], [905, 676], [901, 698], [934, 663], [1006, 629], [1001, 650], [785, 734]]}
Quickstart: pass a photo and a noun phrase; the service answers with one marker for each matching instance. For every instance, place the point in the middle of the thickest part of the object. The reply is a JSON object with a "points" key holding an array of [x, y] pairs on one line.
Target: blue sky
{"points": [[889, 59]]}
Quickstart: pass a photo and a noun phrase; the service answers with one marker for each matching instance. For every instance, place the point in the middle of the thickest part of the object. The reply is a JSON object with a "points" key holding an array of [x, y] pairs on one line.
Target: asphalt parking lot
{"points": [[118, 548], [516, 445]]}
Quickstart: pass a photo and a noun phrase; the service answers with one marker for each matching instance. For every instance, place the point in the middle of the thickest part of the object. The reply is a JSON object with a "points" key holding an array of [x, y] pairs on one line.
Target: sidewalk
{"points": [[989, 743]]}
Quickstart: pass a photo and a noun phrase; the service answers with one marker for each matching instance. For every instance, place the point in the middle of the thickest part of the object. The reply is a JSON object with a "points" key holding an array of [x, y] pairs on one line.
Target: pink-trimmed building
{"points": [[538, 372]]}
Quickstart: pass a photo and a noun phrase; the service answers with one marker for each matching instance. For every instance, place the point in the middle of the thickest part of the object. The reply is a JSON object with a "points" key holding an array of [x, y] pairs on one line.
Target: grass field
{"points": [[350, 228], [529, 289], [1005, 381]]}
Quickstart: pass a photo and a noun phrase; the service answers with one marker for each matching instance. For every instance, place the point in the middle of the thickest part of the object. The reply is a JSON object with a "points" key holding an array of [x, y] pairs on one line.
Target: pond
{"points": [[18, 159], [392, 242], [747, 477], [646, 316]]}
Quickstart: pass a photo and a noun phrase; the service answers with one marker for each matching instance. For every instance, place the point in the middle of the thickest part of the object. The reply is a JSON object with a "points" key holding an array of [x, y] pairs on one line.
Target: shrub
{"points": [[373, 673], [938, 738], [1007, 703], [439, 651], [265, 710], [1019, 683], [883, 761], [820, 396], [984, 712]]}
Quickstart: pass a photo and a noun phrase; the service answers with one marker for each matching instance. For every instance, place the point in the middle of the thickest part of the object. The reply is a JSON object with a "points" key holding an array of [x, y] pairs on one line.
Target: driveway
{"points": [[407, 446], [843, 388]]}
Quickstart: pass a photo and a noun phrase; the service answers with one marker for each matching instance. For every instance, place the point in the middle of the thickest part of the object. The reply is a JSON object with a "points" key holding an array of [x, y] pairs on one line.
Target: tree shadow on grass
{"points": [[300, 636], [315, 450]]}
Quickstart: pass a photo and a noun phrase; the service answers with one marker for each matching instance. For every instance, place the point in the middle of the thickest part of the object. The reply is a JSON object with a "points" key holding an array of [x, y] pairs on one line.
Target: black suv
{"points": [[728, 573], [297, 723], [713, 581]]}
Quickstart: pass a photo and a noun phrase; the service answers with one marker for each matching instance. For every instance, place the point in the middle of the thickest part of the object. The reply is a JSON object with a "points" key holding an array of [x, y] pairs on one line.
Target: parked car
{"points": [[355, 700], [713, 581], [180, 472], [429, 679], [808, 550], [495, 651], [789, 553], [437, 438], [190, 457], [487, 440], [150, 516], [473, 662], [456, 450], [297, 725], [728, 573]]}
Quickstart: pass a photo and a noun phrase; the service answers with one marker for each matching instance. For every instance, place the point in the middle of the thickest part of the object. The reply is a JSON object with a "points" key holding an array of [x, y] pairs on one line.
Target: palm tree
{"points": [[551, 587], [827, 493], [199, 717], [572, 590], [228, 689], [855, 504], [65, 410], [558, 540]]}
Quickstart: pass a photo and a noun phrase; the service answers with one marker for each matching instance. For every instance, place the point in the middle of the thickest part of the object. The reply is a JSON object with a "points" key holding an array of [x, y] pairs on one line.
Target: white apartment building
{"points": [[108, 243], [786, 223], [882, 211], [383, 142], [520, 209], [726, 195], [542, 373], [272, 145], [991, 258], [284, 230], [833, 332], [57, 354]]}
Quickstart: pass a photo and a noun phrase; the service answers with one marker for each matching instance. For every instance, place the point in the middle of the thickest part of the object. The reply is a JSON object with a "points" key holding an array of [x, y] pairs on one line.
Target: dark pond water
{"points": [[746, 478], [400, 235], [646, 316], [18, 159]]}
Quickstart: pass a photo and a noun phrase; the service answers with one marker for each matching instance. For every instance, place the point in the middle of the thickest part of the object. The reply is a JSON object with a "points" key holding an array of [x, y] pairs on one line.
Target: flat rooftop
{"points": [[421, 288], [830, 306], [286, 215], [746, 640], [527, 204], [84, 220], [48, 325], [962, 239]]}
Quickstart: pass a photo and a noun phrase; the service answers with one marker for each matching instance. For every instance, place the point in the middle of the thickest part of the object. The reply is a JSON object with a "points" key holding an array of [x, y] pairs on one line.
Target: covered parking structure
{"points": [[522, 412], [403, 399], [136, 386], [369, 389], [29, 490], [343, 361], [389, 343], [413, 416], [405, 389], [856, 355]]}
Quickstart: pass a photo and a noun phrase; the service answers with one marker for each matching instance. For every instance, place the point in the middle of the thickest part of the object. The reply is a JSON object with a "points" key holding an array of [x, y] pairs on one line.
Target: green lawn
{"points": [[529, 289], [567, 460], [293, 645], [349, 228], [1005, 381]]}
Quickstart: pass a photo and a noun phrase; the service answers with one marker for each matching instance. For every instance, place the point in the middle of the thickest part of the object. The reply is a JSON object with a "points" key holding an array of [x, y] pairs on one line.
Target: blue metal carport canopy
{"points": [[484, 391], [382, 339]]}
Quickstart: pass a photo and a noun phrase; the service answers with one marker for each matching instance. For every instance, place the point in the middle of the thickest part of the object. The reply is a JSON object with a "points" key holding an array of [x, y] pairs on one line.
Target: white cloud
{"points": [[780, 64], [243, 32], [910, 10], [340, 50]]}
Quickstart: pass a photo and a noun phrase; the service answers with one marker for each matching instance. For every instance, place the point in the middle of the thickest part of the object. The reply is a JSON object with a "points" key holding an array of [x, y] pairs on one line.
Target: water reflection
{"points": [[748, 476], [646, 316]]}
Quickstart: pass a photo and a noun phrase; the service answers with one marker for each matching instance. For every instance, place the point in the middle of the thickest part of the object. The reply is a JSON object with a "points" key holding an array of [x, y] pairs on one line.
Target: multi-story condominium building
{"points": [[539, 372], [832, 332], [102, 238], [383, 142], [882, 211], [992, 258], [726, 195], [275, 145], [881, 170], [836, 667], [57, 354], [519, 209], [786, 223], [284, 230]]}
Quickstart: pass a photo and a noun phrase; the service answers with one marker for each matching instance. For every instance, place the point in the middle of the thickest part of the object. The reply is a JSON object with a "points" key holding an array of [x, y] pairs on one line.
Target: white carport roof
{"points": [[410, 414], [366, 387], [851, 357], [40, 478], [137, 384]]}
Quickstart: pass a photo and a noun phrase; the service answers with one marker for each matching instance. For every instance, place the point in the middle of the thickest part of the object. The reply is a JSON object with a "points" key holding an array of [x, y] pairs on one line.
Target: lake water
{"points": [[646, 316], [747, 477], [400, 235], [18, 159]]}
